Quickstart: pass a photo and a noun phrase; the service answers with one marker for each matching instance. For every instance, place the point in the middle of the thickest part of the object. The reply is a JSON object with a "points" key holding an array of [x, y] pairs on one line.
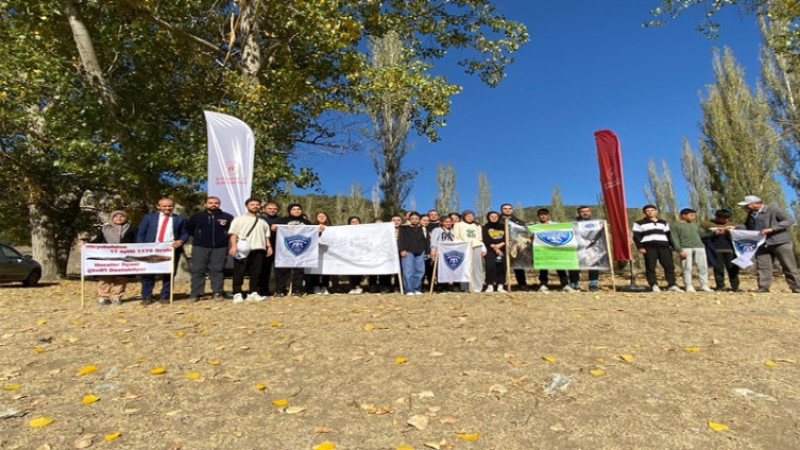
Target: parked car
{"points": [[14, 266]]}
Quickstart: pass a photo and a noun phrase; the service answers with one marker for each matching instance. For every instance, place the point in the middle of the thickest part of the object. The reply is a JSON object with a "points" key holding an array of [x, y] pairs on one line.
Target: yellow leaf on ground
{"points": [[771, 364], [468, 437], [261, 386], [192, 376], [86, 370], [325, 446], [41, 322], [280, 402], [214, 362], [626, 357], [180, 333], [368, 326], [112, 436], [691, 349], [90, 399], [274, 323], [157, 371], [12, 387], [717, 426], [597, 372], [40, 422], [549, 358], [400, 360], [600, 360], [38, 349], [405, 447]]}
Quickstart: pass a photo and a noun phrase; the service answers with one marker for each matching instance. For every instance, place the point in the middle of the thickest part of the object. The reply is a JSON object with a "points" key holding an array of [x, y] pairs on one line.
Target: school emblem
{"points": [[454, 259], [297, 244], [746, 246], [556, 238]]}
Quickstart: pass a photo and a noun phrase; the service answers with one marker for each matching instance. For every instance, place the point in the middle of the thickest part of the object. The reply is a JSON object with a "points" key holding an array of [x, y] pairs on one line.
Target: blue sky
{"points": [[589, 65]]}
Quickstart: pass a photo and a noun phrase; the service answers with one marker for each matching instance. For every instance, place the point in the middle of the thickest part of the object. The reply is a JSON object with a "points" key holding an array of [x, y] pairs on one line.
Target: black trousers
{"points": [[562, 277], [495, 271], [723, 262], [282, 277], [266, 271], [251, 266], [662, 255], [519, 274]]}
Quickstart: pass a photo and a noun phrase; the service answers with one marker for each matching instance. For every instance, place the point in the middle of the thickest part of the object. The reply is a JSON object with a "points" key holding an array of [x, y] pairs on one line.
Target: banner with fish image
{"points": [[454, 263], [126, 259], [297, 246]]}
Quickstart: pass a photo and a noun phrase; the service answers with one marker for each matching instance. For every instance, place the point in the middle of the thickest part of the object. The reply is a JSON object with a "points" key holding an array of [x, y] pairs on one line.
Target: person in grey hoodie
{"points": [[774, 224]]}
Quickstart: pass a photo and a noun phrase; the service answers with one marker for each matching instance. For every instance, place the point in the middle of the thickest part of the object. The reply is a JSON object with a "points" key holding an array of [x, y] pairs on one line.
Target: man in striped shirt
{"points": [[652, 238]]}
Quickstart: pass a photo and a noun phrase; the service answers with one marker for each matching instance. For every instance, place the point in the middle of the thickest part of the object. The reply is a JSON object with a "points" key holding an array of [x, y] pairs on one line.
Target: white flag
{"points": [[367, 249], [231, 149], [297, 246], [745, 244], [455, 262]]}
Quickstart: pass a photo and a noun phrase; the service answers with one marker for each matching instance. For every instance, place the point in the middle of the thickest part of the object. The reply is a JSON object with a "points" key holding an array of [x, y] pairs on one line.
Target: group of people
{"points": [[250, 240]]}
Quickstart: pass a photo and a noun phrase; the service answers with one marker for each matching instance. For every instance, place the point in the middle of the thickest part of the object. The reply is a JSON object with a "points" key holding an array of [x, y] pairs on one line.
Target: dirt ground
{"points": [[480, 371]]}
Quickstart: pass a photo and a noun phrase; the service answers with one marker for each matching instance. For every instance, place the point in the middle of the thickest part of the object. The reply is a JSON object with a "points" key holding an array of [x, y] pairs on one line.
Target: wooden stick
{"points": [[400, 280], [508, 258], [610, 249], [435, 271], [172, 276], [83, 288]]}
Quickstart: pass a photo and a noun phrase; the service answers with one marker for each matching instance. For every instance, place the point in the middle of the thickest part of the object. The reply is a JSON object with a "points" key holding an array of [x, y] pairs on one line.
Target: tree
{"points": [[557, 211], [660, 191], [519, 211], [697, 182], [740, 147], [447, 199], [484, 199]]}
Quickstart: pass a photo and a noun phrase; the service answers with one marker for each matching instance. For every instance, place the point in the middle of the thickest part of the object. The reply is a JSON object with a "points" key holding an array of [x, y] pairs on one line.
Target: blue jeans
{"points": [[413, 271]]}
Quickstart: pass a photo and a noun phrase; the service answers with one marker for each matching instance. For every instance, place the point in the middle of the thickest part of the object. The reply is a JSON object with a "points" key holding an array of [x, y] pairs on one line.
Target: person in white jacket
{"points": [[469, 231]]}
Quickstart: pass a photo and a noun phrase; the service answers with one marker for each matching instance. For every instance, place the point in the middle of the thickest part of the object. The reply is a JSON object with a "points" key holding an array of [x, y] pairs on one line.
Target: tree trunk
{"points": [[251, 51], [43, 243]]}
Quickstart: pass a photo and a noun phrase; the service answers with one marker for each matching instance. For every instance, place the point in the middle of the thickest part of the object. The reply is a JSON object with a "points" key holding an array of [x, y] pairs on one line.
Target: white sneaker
{"points": [[501, 289], [417, 293], [324, 291], [317, 290], [237, 298], [655, 288], [568, 288], [675, 288], [690, 289], [254, 297], [358, 290], [543, 288], [706, 289], [410, 293], [489, 288]]}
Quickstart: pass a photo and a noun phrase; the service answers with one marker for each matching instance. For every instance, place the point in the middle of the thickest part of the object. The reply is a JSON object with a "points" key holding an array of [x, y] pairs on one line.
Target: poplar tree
{"points": [[697, 182], [447, 199], [484, 199], [740, 148], [660, 191], [557, 211]]}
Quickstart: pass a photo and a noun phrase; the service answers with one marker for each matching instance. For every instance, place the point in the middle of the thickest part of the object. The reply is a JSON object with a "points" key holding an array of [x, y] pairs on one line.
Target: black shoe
{"points": [[762, 290], [594, 288], [164, 300], [795, 291], [146, 301], [279, 295], [217, 296], [194, 299]]}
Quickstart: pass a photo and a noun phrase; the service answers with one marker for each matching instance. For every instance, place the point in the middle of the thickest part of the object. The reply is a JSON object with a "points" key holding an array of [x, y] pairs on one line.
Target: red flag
{"points": [[609, 156]]}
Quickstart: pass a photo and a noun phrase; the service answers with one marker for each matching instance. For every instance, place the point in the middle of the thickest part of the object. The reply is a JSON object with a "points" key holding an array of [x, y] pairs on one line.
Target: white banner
{"points": [[297, 246], [368, 249], [231, 149], [454, 262], [126, 259], [745, 244]]}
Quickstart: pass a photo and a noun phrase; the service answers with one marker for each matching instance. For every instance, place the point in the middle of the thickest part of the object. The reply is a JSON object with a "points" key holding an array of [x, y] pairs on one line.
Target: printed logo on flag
{"points": [[297, 244], [454, 259], [746, 245], [556, 238]]}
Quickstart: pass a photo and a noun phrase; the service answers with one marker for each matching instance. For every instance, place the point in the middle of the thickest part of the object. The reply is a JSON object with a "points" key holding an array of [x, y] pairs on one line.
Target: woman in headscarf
{"points": [[117, 231], [494, 234]]}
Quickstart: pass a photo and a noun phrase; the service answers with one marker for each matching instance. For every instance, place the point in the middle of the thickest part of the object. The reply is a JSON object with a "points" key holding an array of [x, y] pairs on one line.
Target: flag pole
{"points": [[508, 258], [435, 271], [172, 275], [610, 251], [83, 281]]}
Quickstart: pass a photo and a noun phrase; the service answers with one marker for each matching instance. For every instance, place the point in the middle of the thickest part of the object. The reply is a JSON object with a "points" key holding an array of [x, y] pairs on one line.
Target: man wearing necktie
{"points": [[774, 224], [162, 226]]}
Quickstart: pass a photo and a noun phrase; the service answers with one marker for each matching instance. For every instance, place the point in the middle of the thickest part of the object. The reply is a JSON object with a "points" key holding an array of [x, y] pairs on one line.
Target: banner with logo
{"points": [[609, 158], [520, 246], [231, 150], [367, 249], [454, 262], [297, 246], [745, 244], [570, 246], [126, 259]]}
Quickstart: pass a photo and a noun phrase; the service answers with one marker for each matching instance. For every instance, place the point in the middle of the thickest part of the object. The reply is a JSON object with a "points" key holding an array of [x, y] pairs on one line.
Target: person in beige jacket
{"points": [[469, 231]]}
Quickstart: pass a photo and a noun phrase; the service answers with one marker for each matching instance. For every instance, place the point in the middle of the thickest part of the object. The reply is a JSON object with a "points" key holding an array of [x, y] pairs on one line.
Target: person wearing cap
{"points": [[719, 250], [117, 231], [773, 223], [468, 231], [249, 245]]}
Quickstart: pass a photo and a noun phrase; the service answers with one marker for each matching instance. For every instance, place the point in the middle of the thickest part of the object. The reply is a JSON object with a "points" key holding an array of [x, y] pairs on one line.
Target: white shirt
{"points": [[169, 235]]}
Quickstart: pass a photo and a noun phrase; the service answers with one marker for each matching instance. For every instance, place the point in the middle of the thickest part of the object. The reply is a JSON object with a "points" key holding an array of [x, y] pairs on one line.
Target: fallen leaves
{"points": [[691, 349], [192, 376], [325, 446], [322, 430], [280, 402], [400, 360], [112, 436], [157, 371], [294, 410], [418, 421], [12, 387], [84, 441], [468, 436], [368, 326], [549, 358], [625, 357], [717, 426], [213, 362], [597, 372], [85, 370], [771, 363], [261, 386], [89, 399], [40, 422]]}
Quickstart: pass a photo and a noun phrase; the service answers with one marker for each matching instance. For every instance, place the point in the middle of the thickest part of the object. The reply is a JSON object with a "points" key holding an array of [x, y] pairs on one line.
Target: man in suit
{"points": [[162, 226], [774, 224]]}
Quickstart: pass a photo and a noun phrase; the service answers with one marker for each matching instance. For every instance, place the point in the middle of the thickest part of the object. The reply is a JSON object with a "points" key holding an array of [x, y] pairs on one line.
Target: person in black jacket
{"points": [[209, 232], [117, 231], [414, 245], [494, 238], [282, 274]]}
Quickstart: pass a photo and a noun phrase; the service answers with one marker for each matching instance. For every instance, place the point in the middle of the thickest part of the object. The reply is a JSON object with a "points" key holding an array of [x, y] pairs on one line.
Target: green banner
{"points": [[555, 246]]}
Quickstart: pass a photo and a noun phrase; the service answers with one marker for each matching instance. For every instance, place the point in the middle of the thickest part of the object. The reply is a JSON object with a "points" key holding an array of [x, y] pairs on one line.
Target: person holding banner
{"points": [[318, 284], [413, 245], [271, 217], [584, 213], [468, 231], [209, 232], [494, 238], [719, 250], [441, 234], [508, 216], [249, 245], [355, 280], [651, 236], [283, 275], [117, 231], [162, 226], [544, 218], [774, 224]]}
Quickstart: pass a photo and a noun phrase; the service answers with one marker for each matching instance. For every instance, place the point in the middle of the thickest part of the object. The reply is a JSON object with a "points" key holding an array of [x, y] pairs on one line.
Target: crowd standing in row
{"points": [[250, 240]]}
